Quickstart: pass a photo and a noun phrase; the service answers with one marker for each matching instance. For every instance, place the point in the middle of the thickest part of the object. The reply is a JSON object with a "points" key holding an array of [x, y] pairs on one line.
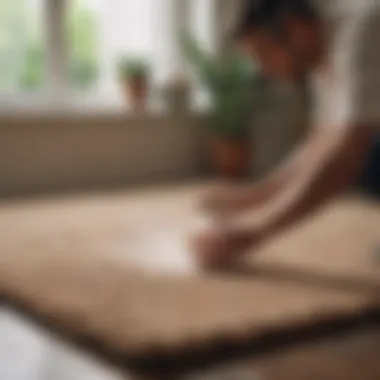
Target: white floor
{"points": [[29, 353]]}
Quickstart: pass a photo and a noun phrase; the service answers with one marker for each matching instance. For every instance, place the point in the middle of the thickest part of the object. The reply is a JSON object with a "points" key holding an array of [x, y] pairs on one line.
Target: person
{"points": [[289, 40]]}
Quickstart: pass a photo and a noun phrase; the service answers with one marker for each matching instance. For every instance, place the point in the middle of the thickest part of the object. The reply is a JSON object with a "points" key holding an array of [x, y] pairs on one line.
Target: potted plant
{"points": [[233, 83], [134, 74], [177, 94]]}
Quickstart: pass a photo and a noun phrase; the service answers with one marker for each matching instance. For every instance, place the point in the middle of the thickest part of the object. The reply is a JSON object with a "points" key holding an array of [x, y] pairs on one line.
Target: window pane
{"points": [[202, 22], [202, 28], [83, 42], [22, 61], [135, 29]]}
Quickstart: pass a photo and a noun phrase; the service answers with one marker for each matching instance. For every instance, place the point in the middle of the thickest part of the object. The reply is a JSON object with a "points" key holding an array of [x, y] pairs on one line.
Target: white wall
{"points": [[55, 152]]}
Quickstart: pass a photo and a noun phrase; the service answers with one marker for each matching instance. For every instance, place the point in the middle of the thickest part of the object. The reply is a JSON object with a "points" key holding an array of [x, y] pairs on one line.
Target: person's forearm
{"points": [[332, 173], [265, 189], [332, 169]]}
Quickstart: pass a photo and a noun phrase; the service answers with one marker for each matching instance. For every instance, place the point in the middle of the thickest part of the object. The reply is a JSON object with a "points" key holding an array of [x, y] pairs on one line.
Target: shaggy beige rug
{"points": [[340, 244], [78, 264]]}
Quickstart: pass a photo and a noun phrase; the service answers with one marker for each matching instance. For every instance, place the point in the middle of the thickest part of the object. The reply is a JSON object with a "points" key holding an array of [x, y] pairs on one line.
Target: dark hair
{"points": [[269, 13]]}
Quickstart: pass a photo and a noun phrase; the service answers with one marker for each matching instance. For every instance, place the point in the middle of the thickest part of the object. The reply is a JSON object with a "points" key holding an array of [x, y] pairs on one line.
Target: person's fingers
{"points": [[218, 249], [212, 197], [208, 248], [225, 203]]}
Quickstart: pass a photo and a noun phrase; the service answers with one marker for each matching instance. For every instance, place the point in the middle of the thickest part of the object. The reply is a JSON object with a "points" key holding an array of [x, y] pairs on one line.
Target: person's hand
{"points": [[229, 199], [217, 247]]}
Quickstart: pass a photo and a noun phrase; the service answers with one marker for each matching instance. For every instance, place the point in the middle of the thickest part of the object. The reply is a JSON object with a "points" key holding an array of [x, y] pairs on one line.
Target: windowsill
{"points": [[75, 106], [81, 107]]}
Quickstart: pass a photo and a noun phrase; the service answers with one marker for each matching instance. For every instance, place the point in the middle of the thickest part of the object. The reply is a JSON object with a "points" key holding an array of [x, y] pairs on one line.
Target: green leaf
{"points": [[203, 63], [234, 84], [130, 67]]}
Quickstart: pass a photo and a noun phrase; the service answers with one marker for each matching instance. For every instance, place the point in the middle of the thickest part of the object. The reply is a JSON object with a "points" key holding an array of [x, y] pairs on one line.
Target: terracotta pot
{"points": [[231, 158], [136, 89], [178, 99], [177, 93]]}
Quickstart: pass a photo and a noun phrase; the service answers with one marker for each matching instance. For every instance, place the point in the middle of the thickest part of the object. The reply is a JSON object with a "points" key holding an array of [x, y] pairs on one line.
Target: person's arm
{"points": [[330, 162], [232, 198]]}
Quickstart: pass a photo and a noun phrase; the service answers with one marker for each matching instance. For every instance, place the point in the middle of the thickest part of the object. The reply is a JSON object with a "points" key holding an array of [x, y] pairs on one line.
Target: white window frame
{"points": [[54, 12]]}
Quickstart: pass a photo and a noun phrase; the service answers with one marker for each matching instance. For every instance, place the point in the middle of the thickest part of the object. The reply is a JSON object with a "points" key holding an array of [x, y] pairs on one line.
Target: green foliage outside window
{"points": [[32, 74], [22, 45], [83, 48]]}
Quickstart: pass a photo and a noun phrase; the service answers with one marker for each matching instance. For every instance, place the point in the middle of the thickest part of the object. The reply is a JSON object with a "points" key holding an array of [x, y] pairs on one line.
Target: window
{"points": [[83, 35], [72, 47], [202, 28], [22, 55]]}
